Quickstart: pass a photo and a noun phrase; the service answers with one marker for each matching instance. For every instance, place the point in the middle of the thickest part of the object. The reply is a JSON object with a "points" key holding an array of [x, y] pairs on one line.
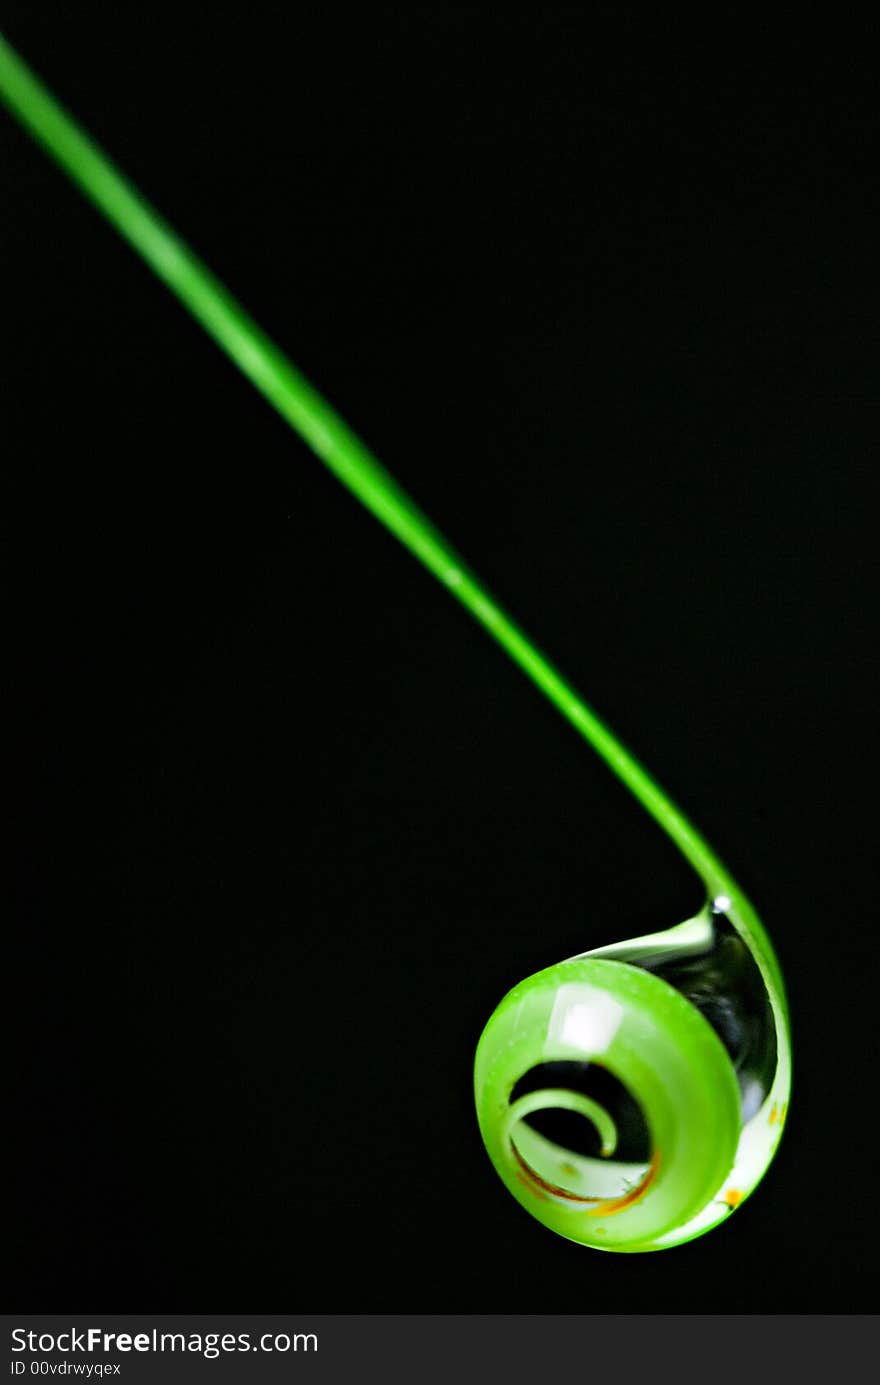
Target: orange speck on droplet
{"points": [[733, 1197], [773, 1114]]}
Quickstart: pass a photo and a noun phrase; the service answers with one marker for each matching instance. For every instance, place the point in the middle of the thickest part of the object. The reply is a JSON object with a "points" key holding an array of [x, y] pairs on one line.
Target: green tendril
{"points": [[329, 437]]}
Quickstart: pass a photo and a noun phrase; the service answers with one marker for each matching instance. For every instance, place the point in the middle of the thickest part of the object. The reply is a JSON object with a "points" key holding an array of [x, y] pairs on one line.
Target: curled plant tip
{"points": [[630, 1098]]}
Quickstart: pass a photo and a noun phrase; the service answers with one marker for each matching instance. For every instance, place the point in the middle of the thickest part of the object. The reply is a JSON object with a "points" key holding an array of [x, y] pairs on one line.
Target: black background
{"points": [[604, 297]]}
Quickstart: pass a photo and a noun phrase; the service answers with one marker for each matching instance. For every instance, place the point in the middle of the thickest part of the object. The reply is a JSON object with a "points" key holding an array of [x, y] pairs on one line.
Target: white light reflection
{"points": [[585, 1018]]}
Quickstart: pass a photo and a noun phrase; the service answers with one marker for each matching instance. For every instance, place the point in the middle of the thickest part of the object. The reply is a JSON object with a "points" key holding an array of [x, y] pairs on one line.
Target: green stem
{"points": [[269, 370]]}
